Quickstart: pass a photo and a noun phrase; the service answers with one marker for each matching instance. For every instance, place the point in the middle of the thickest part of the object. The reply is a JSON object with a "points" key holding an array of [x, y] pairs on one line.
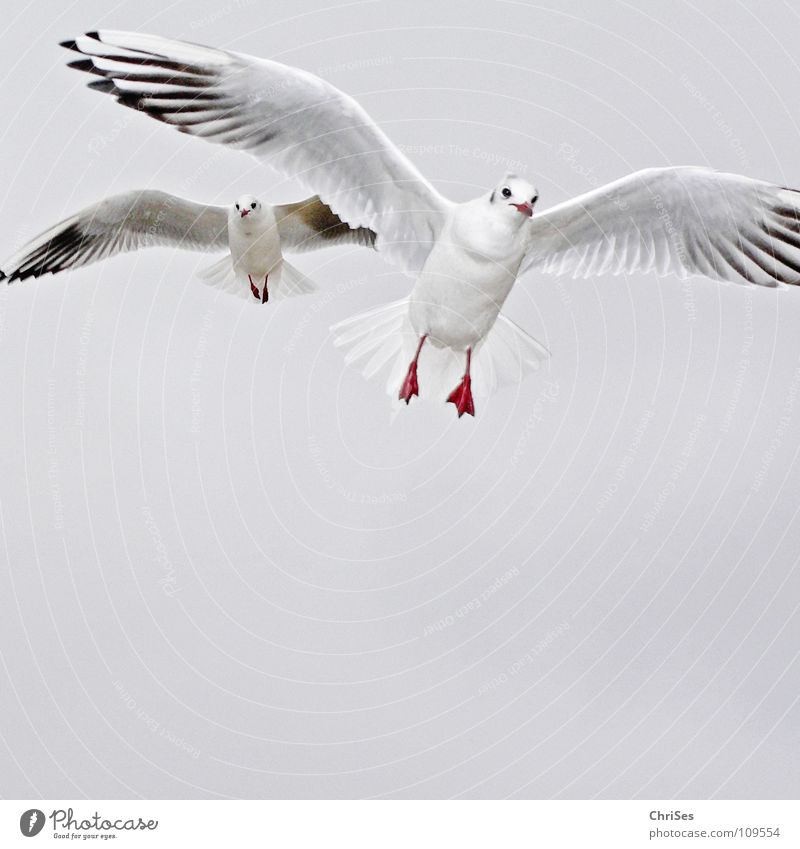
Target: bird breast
{"points": [[490, 233], [255, 246], [458, 295]]}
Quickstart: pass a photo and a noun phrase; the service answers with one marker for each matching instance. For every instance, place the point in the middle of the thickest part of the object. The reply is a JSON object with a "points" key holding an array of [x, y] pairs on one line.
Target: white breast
{"points": [[466, 278], [255, 244]]}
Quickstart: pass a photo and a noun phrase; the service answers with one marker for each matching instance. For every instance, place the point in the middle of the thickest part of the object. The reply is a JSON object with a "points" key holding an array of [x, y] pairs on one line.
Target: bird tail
{"points": [[284, 281], [220, 274], [383, 342], [292, 281], [376, 341]]}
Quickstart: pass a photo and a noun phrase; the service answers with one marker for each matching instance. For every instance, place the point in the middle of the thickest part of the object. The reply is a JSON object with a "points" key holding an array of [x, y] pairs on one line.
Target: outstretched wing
{"points": [[682, 220], [116, 225], [293, 120], [312, 224]]}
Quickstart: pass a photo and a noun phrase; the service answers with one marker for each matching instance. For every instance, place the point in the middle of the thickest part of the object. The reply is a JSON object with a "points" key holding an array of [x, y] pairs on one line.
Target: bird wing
{"points": [[685, 221], [312, 224], [116, 225], [295, 121]]}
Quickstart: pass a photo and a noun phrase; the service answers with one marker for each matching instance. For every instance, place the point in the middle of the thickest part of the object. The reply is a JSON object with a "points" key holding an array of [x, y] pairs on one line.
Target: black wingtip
{"points": [[84, 65], [105, 85], [70, 44], [94, 34]]}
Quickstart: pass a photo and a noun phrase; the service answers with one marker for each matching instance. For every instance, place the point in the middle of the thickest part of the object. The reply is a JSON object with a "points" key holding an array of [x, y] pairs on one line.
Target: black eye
{"points": [[506, 193], [237, 205], [534, 198], [252, 206]]}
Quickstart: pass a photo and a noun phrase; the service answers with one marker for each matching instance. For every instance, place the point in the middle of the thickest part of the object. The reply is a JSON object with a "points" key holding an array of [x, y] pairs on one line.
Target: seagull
{"points": [[465, 257], [254, 234]]}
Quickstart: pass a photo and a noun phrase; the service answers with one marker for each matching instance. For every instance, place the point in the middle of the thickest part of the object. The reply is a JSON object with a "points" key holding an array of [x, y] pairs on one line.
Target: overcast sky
{"points": [[230, 571]]}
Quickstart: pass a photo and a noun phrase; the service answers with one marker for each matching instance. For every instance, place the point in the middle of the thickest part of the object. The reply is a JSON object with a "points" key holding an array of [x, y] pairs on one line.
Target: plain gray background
{"points": [[228, 571]]}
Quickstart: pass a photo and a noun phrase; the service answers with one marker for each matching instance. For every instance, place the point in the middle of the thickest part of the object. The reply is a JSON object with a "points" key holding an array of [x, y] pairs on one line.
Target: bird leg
{"points": [[461, 396], [253, 288], [265, 290], [410, 386]]}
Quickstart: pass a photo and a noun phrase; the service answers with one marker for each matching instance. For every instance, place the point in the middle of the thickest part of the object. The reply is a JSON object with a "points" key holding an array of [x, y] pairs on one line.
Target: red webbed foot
{"points": [[461, 396], [410, 387]]}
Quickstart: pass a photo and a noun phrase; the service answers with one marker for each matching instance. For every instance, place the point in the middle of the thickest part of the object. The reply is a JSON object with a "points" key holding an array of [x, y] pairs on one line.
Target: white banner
{"points": [[403, 824]]}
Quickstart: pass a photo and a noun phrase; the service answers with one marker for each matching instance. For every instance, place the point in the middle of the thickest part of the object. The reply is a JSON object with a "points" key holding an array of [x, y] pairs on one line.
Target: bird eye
{"points": [[237, 205], [534, 198], [252, 206], [506, 193]]}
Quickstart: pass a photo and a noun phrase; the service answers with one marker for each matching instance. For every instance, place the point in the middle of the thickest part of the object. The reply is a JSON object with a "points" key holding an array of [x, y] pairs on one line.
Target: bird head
{"points": [[515, 197], [247, 206]]}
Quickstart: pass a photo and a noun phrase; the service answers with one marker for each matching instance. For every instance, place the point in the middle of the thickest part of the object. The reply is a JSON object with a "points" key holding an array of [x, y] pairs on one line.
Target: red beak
{"points": [[524, 208], [245, 212]]}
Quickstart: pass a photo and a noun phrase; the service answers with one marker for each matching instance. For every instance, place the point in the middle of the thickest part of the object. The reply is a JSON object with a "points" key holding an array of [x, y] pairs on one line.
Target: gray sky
{"points": [[228, 571]]}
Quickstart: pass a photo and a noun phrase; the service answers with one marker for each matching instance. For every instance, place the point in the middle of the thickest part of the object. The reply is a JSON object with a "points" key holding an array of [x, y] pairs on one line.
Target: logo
{"points": [[31, 822]]}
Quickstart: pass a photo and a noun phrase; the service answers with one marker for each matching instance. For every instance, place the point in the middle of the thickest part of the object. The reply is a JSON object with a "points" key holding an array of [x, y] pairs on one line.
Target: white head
{"points": [[247, 206], [514, 196]]}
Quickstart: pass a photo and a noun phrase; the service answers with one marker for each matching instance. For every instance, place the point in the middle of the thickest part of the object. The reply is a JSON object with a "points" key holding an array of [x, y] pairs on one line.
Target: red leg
{"points": [[461, 396], [253, 288], [410, 386], [265, 292]]}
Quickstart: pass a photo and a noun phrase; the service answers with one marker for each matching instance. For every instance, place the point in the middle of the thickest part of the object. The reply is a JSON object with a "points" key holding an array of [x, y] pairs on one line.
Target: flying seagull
{"points": [[465, 257], [253, 233]]}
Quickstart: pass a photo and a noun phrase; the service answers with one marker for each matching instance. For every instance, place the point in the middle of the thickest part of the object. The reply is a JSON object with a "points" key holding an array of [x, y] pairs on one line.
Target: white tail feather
{"points": [[284, 281], [383, 340], [290, 281]]}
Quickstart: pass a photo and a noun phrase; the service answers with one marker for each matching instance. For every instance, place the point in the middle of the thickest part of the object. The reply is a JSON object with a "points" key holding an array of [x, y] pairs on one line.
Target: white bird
{"points": [[466, 257], [254, 233]]}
